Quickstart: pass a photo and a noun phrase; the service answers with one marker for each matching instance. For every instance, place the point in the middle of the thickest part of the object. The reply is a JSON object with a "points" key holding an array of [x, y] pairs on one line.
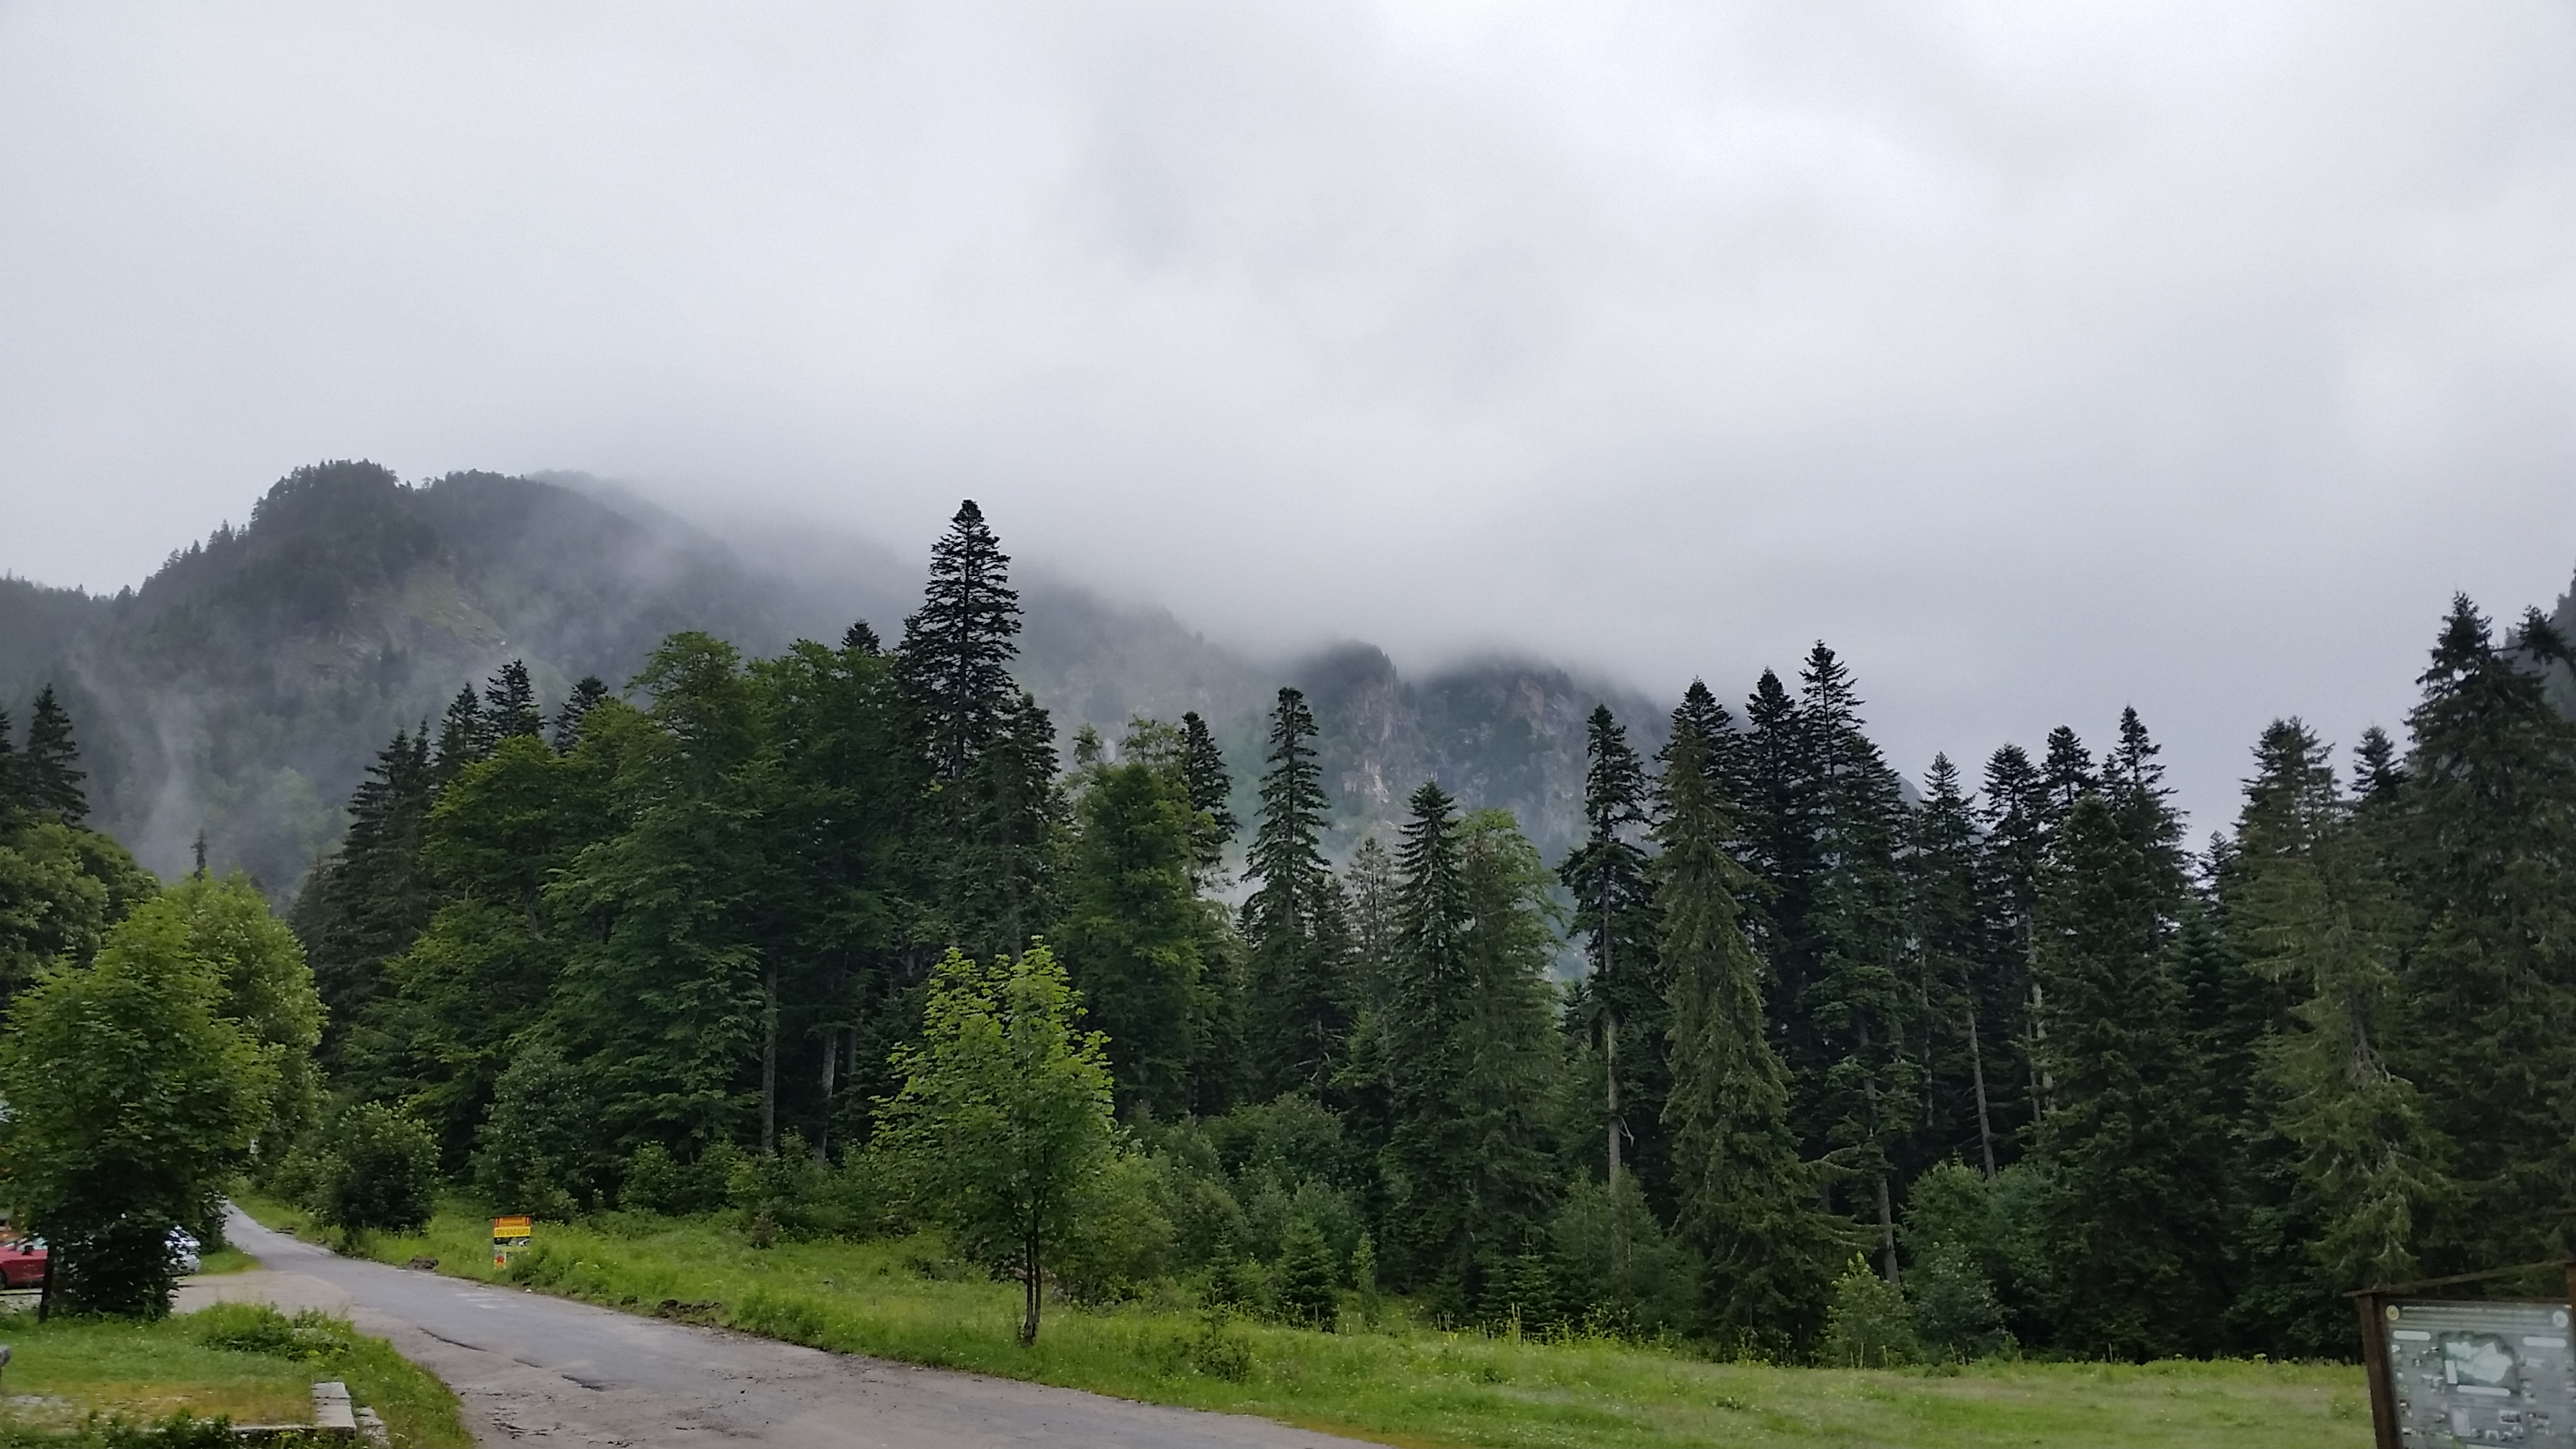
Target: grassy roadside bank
{"points": [[904, 1300], [242, 1362]]}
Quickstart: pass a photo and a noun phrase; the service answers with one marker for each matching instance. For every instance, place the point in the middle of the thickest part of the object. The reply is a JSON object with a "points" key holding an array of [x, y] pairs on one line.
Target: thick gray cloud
{"points": [[2042, 358]]}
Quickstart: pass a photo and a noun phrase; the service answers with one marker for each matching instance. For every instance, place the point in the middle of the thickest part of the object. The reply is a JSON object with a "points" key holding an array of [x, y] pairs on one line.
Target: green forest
{"points": [[845, 940]]}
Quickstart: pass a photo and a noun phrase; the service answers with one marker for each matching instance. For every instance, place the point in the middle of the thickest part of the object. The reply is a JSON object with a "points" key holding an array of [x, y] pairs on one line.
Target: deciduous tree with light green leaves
{"points": [[130, 1096], [1004, 1115]]}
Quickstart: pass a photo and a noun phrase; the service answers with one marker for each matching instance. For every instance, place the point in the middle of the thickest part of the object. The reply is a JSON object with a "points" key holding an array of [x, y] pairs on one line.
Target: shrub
{"points": [[376, 1171], [656, 1182], [533, 1154], [1868, 1324], [1121, 1240], [1305, 1293], [1623, 1271], [311, 1336]]}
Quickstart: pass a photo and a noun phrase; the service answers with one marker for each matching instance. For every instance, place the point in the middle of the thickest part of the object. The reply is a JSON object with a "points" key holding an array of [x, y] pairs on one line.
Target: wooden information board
{"points": [[2449, 1372]]}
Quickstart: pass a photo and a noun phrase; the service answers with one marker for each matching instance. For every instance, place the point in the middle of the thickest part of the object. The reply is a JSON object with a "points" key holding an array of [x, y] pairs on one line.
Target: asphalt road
{"points": [[532, 1367]]}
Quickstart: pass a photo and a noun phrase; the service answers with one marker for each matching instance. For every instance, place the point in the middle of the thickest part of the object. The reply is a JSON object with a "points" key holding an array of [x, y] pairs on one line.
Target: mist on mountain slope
{"points": [[239, 694]]}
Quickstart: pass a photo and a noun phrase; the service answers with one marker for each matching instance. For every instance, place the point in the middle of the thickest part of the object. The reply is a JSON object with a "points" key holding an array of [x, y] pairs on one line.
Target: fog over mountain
{"points": [[2041, 360], [240, 692]]}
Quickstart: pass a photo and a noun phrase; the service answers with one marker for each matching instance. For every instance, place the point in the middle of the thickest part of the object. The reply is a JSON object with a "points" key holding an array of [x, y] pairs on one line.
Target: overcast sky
{"points": [[2043, 358]]}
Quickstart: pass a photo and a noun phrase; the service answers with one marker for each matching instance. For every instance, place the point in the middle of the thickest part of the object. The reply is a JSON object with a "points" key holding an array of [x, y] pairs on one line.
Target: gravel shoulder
{"points": [[528, 1366]]}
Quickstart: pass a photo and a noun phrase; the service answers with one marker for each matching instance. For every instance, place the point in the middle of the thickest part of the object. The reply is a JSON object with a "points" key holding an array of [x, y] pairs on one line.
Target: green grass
{"points": [[224, 1260], [142, 1371], [63, 1372], [904, 1299]]}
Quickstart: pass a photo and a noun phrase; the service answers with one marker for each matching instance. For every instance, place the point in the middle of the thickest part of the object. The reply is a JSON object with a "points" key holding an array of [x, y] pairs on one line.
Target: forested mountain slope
{"points": [[240, 691]]}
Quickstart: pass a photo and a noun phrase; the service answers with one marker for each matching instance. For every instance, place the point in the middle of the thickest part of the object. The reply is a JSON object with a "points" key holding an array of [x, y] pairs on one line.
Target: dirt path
{"points": [[531, 1367]]}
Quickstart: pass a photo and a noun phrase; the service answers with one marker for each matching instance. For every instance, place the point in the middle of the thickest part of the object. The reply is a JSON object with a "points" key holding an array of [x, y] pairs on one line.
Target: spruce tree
{"points": [[2066, 774], [2125, 1146], [1624, 995], [957, 648], [2314, 909], [1955, 961], [1130, 927], [47, 769], [510, 706], [2486, 836], [1861, 1083], [461, 738], [373, 898], [2014, 812], [12, 785], [1298, 1005], [1747, 1201], [1471, 1054], [585, 697], [1211, 793]]}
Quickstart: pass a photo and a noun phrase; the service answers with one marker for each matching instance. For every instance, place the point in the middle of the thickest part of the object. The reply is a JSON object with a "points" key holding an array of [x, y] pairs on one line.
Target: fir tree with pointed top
{"points": [[1747, 1202], [2066, 774], [373, 898], [1474, 1059], [1211, 792], [2376, 770], [2354, 1166], [861, 638], [510, 706], [2485, 838], [1623, 998], [1297, 976], [1861, 1078], [586, 696], [48, 770], [2128, 1146], [2013, 811], [957, 648], [460, 735], [1956, 958]]}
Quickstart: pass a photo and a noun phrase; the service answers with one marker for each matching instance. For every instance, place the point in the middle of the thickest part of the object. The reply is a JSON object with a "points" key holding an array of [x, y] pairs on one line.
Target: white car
{"points": [[183, 1253]]}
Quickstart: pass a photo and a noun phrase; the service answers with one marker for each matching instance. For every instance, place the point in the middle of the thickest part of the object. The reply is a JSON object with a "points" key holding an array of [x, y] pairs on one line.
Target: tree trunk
{"points": [[1977, 1073], [1610, 1074], [831, 1061], [1887, 1231], [1030, 1271], [769, 1061]]}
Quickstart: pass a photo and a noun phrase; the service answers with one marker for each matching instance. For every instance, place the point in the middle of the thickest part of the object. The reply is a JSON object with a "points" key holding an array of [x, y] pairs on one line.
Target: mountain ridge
{"points": [[240, 691]]}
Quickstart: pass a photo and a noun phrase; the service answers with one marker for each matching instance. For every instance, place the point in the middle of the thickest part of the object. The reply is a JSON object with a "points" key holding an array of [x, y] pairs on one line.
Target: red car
{"points": [[22, 1264]]}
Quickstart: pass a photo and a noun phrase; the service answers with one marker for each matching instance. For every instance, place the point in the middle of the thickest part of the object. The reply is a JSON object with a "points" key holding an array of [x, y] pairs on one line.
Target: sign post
{"points": [[2448, 1371], [508, 1236]]}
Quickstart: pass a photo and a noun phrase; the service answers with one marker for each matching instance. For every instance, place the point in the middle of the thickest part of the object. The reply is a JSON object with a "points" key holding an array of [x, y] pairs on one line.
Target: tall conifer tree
{"points": [[2014, 809], [2314, 909], [586, 696], [2487, 842], [510, 706], [957, 648], [1298, 1011], [1131, 920], [1862, 1082], [1624, 995], [49, 768], [1747, 1201], [1955, 961], [1211, 794], [1472, 1048], [2130, 1154]]}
